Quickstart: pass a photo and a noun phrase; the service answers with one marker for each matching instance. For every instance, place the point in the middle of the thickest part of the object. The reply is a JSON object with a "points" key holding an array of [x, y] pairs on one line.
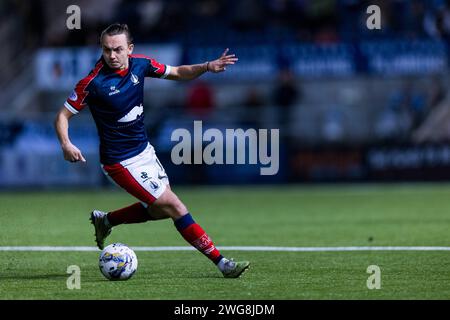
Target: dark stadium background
{"points": [[364, 120], [352, 104]]}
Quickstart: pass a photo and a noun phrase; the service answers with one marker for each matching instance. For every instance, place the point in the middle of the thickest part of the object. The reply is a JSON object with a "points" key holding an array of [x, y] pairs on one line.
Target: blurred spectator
{"points": [[333, 126], [253, 103], [414, 20], [417, 107], [200, 100], [129, 12], [249, 15], [272, 20], [285, 96], [151, 13], [321, 16], [437, 21], [253, 99], [207, 10], [351, 18], [386, 125], [34, 22], [395, 120], [9, 131], [326, 34], [286, 15]]}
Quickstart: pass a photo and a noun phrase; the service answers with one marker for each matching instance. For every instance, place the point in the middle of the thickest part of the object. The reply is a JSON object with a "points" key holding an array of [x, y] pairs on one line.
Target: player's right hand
{"points": [[72, 153]]}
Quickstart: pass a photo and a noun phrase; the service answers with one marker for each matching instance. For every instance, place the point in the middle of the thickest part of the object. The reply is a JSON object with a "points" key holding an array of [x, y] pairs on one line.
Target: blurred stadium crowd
{"points": [[201, 21], [311, 68]]}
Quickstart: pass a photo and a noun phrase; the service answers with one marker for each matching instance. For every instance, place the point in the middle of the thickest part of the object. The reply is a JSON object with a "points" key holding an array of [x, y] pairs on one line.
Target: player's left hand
{"points": [[219, 65]]}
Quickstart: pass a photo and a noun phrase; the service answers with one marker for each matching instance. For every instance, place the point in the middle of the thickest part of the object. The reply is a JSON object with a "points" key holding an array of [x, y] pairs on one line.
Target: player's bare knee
{"points": [[174, 209], [169, 210], [169, 205], [179, 209]]}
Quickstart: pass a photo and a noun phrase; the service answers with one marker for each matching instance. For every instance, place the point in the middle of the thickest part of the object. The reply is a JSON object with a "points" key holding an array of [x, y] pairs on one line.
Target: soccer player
{"points": [[114, 92]]}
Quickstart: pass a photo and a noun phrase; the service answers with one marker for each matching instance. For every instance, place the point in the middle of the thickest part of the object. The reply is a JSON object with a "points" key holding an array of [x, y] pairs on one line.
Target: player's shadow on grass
{"points": [[198, 276], [53, 276], [206, 276]]}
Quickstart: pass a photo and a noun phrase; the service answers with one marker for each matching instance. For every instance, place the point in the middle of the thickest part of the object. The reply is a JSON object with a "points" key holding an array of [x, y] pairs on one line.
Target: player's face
{"points": [[116, 50]]}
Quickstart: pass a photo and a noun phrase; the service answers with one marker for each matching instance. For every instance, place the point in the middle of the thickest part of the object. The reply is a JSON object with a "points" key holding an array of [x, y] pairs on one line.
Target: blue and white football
{"points": [[118, 262]]}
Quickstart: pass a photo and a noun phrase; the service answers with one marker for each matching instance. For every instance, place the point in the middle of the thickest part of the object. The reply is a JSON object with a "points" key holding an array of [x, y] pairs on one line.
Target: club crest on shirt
{"points": [[134, 79], [113, 90], [73, 96]]}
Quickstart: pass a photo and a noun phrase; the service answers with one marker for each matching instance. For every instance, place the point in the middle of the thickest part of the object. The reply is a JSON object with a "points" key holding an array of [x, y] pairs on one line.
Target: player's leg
{"points": [[141, 176], [169, 205], [136, 213], [144, 177]]}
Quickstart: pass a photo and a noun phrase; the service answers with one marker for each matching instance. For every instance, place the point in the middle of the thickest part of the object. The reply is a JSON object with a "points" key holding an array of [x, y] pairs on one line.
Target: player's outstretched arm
{"points": [[189, 72], [71, 152]]}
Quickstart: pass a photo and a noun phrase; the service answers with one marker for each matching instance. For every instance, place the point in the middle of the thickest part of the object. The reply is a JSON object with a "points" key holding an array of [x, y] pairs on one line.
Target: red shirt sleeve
{"points": [[78, 99]]}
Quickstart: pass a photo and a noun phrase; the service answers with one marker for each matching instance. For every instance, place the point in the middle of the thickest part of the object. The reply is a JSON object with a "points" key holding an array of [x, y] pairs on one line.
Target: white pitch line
{"points": [[231, 248]]}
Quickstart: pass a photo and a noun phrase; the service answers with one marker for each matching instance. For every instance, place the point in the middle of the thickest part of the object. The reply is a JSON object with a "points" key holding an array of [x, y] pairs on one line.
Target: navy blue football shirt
{"points": [[116, 101]]}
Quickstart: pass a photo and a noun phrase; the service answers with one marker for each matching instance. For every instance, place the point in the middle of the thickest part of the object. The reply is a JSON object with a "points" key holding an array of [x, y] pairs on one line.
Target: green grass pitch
{"points": [[296, 216]]}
